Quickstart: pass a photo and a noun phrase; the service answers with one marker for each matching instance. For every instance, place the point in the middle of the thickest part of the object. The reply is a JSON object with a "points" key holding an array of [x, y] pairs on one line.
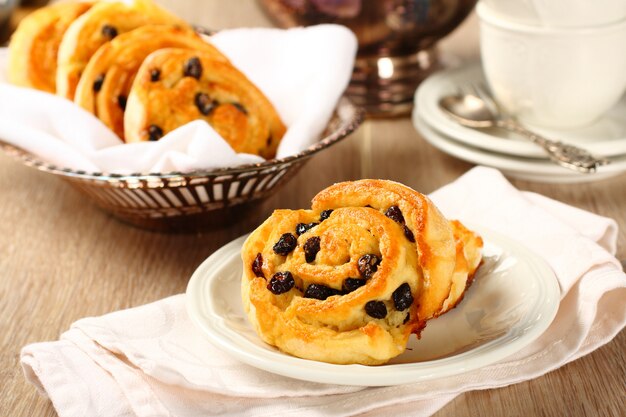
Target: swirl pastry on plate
{"points": [[35, 43], [349, 280], [176, 86], [102, 23], [106, 82]]}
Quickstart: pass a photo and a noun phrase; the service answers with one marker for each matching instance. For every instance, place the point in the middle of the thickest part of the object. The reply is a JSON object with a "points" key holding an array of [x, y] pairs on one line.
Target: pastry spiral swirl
{"points": [[35, 44], [99, 25], [194, 85], [106, 82], [349, 280]]}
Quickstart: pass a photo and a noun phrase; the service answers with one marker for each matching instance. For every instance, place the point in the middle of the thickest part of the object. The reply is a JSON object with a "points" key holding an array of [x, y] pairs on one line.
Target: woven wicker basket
{"points": [[202, 199]]}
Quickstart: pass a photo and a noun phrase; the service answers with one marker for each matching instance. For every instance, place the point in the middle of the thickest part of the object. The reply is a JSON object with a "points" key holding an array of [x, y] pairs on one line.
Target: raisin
{"points": [[408, 234], [351, 284], [325, 214], [121, 101], [368, 265], [304, 227], [320, 292], [281, 282], [155, 74], [376, 309], [311, 247], [109, 31], [97, 83], [395, 214], [192, 68], [154, 133], [285, 244], [204, 103], [240, 107], [257, 266], [402, 297]]}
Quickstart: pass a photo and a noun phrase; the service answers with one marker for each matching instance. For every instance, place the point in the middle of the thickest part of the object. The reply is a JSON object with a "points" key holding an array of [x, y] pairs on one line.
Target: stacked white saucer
{"points": [[513, 155]]}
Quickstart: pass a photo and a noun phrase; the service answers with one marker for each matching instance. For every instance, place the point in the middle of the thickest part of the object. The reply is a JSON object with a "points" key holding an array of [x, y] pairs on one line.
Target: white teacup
{"points": [[563, 78], [559, 13], [520, 11], [580, 13]]}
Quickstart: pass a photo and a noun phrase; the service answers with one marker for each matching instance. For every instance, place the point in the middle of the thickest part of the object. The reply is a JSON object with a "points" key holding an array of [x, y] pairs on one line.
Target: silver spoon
{"points": [[477, 110]]}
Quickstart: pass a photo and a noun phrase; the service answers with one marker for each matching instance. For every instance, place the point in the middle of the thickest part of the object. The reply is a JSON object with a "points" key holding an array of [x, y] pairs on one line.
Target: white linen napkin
{"points": [[152, 361], [303, 72]]}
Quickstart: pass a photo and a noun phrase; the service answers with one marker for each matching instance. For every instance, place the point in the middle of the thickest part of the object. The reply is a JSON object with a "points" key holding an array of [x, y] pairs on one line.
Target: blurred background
{"points": [[399, 40]]}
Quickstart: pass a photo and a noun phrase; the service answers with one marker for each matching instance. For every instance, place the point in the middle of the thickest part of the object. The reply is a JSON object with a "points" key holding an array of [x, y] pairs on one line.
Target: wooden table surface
{"points": [[62, 259]]}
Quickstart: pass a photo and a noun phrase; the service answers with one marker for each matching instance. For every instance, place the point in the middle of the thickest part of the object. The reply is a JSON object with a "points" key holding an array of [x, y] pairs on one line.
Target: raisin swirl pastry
{"points": [[106, 82], [442, 247], [35, 44], [194, 85], [102, 23], [349, 280]]}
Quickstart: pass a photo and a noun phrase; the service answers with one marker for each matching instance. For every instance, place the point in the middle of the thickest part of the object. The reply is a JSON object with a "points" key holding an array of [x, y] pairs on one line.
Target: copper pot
{"points": [[397, 42]]}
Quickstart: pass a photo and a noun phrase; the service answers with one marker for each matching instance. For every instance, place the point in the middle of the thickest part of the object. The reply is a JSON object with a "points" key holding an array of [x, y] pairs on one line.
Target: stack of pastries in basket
{"points": [[141, 71], [350, 280]]}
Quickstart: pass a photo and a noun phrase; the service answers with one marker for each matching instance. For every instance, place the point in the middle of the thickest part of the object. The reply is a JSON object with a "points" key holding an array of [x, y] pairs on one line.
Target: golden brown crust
{"points": [[35, 44], [114, 66], [165, 95], [103, 22], [339, 329], [433, 234], [468, 258]]}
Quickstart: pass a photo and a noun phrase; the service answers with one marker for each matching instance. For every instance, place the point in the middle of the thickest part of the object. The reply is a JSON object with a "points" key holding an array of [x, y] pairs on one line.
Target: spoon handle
{"points": [[566, 155]]}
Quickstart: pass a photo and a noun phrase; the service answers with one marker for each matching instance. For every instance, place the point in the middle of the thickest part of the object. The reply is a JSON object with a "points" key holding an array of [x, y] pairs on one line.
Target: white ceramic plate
{"points": [[512, 301], [512, 166], [605, 137]]}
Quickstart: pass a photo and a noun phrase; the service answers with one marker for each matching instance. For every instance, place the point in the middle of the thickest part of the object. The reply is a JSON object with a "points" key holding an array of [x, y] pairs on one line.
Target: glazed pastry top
{"points": [[351, 279], [176, 86]]}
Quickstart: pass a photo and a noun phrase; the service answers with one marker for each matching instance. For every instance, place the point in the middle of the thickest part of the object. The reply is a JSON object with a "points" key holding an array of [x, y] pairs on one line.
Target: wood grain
{"points": [[62, 259]]}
